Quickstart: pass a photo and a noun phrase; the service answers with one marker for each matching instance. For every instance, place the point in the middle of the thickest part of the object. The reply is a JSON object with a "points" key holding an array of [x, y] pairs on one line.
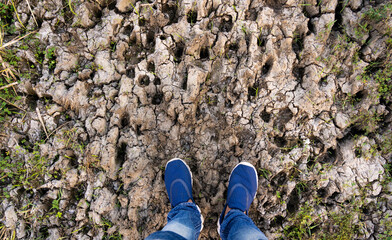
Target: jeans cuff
{"points": [[228, 218], [192, 205]]}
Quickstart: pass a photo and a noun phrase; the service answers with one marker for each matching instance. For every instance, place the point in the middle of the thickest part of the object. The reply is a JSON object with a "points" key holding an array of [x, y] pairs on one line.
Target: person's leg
{"points": [[237, 225], [234, 222], [184, 220]]}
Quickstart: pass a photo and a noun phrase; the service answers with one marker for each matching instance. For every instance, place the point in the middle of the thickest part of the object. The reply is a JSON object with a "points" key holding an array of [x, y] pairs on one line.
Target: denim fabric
{"points": [[184, 222], [237, 225]]}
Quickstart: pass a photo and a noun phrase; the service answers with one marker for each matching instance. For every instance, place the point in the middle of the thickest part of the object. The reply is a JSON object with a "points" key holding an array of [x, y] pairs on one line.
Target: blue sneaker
{"points": [[243, 183], [178, 181]]}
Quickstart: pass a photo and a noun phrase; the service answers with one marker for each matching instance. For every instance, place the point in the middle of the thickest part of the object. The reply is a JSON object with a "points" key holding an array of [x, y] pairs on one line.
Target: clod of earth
{"points": [[300, 89]]}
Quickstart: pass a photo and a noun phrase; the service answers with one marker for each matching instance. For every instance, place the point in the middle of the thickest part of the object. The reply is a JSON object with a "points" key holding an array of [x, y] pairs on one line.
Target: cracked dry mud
{"points": [[136, 83]]}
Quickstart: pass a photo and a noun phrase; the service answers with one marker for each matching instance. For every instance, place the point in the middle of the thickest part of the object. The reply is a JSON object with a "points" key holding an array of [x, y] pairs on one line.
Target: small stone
{"points": [[342, 120], [123, 200], [106, 71], [108, 160], [95, 217], [100, 179], [125, 5], [388, 187], [105, 202], [369, 228], [54, 109], [355, 4], [328, 6], [45, 31], [52, 194], [311, 8], [85, 74], [376, 188], [54, 233], [10, 217], [99, 124], [81, 211], [72, 177], [83, 16], [112, 230], [196, 76], [53, 184], [64, 75], [65, 61], [351, 19], [89, 192], [21, 229]]}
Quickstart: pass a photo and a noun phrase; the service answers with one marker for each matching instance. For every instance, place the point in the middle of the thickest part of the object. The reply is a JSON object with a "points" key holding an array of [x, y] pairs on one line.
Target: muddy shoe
{"points": [[242, 189], [178, 181]]}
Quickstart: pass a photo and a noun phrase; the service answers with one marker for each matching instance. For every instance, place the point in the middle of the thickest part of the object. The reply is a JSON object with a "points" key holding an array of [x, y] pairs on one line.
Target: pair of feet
{"points": [[242, 188]]}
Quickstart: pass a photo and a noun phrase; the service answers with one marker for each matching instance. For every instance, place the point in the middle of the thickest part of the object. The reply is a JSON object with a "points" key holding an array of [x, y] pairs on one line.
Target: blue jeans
{"points": [[184, 222]]}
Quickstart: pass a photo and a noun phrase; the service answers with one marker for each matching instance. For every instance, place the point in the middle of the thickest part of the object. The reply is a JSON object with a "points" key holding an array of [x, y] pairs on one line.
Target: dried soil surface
{"points": [[132, 84]]}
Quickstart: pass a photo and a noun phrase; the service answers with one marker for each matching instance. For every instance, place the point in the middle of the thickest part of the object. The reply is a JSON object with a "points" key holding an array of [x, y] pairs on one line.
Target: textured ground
{"points": [[299, 89]]}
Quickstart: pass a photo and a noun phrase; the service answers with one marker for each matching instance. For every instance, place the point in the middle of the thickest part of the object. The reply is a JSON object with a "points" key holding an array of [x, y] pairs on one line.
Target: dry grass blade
{"points": [[62, 125], [2, 232], [32, 14], [8, 85], [10, 103], [7, 72], [17, 15], [1, 36], [15, 40], [41, 120]]}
